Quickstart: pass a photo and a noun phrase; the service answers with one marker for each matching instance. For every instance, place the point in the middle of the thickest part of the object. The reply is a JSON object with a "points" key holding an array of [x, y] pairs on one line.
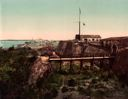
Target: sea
{"points": [[10, 43]]}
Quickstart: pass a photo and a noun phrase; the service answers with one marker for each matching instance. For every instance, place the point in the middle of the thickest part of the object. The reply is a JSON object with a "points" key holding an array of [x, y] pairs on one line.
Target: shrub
{"points": [[64, 89], [71, 82]]}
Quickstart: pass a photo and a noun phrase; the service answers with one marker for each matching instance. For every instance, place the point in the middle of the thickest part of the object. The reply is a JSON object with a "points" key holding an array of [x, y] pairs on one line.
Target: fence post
{"points": [[71, 68], [92, 61], [60, 64], [102, 62], [81, 65]]}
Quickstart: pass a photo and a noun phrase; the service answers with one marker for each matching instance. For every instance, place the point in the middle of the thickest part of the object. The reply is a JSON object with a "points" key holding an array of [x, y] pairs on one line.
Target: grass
{"points": [[14, 71], [102, 84]]}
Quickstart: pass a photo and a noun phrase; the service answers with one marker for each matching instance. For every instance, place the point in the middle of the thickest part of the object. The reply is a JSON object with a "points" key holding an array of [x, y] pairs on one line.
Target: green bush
{"points": [[84, 91]]}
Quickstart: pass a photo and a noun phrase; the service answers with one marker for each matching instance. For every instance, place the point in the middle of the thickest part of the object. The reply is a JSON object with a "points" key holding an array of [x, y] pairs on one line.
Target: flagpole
{"points": [[79, 23]]}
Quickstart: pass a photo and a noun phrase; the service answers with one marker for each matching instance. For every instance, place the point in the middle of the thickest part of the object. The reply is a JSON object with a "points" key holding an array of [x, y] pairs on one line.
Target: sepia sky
{"points": [[58, 19]]}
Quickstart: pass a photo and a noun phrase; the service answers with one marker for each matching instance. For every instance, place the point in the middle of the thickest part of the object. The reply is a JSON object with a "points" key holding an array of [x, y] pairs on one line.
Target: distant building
{"points": [[88, 38]]}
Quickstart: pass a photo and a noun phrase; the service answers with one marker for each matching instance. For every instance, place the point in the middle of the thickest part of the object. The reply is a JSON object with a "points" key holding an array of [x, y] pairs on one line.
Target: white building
{"points": [[88, 38]]}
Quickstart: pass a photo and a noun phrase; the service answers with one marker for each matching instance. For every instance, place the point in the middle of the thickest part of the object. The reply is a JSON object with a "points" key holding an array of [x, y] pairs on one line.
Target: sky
{"points": [[58, 19]]}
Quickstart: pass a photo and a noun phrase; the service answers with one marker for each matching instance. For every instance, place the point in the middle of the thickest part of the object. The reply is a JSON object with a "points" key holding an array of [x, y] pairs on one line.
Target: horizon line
{"points": [[52, 39]]}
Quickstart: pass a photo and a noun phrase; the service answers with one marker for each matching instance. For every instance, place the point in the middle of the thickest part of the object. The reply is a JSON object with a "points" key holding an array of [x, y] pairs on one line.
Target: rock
{"points": [[44, 58], [120, 66], [54, 54], [96, 68], [87, 82], [39, 70], [70, 48]]}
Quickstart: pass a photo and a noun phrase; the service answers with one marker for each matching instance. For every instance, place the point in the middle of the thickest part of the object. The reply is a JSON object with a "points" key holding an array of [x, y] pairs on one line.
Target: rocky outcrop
{"points": [[120, 66], [79, 49], [92, 50], [65, 48], [39, 70]]}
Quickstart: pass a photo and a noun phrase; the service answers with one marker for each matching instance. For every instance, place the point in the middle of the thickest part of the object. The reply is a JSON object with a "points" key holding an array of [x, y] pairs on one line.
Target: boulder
{"points": [[39, 70]]}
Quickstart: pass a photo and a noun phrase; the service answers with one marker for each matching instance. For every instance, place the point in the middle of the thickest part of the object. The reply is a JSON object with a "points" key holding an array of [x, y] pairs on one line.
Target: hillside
{"points": [[120, 66]]}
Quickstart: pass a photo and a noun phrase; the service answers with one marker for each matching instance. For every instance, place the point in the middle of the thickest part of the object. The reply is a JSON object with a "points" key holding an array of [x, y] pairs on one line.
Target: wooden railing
{"points": [[80, 58]]}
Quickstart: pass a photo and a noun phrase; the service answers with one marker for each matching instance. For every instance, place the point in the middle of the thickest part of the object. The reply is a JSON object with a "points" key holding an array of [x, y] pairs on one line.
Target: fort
{"points": [[85, 48]]}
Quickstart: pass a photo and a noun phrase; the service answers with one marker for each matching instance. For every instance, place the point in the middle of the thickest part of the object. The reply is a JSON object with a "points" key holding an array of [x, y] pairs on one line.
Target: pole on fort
{"points": [[79, 24]]}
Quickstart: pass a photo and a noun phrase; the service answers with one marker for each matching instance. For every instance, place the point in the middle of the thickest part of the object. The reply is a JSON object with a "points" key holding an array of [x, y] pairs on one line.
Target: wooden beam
{"points": [[81, 58]]}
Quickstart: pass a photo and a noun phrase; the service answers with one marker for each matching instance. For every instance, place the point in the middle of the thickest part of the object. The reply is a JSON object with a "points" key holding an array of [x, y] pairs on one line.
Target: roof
{"points": [[115, 38], [90, 36]]}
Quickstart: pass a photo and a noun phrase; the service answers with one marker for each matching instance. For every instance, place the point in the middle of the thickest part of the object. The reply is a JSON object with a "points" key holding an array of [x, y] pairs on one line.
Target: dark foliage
{"points": [[14, 71]]}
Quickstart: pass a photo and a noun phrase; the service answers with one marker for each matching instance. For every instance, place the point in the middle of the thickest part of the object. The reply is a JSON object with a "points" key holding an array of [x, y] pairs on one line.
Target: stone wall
{"points": [[79, 49]]}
